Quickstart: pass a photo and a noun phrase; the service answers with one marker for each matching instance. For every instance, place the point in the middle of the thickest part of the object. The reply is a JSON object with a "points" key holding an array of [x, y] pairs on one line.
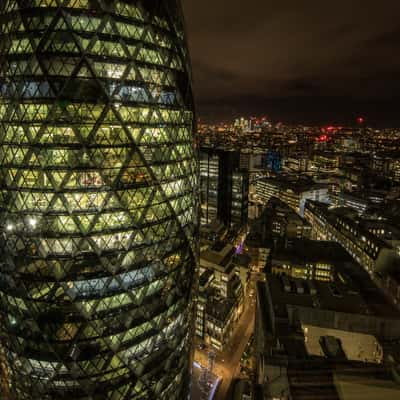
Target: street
{"points": [[196, 391], [227, 362]]}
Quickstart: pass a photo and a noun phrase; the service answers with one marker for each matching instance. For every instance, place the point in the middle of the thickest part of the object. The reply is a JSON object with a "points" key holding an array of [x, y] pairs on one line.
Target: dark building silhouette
{"points": [[209, 183], [98, 200], [224, 187]]}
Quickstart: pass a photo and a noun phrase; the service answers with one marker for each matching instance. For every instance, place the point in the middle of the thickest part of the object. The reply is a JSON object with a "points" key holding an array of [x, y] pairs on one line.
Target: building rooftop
{"points": [[351, 225], [205, 277], [294, 183], [342, 295], [220, 308], [324, 336], [279, 208], [350, 386], [219, 255], [327, 296], [243, 260], [306, 250]]}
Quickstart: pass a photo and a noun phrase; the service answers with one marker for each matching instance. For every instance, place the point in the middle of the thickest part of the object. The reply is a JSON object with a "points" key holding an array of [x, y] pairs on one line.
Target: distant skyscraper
{"points": [[98, 199], [273, 161]]}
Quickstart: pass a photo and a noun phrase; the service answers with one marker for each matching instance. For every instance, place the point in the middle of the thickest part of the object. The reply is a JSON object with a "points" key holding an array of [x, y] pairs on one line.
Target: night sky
{"points": [[312, 61]]}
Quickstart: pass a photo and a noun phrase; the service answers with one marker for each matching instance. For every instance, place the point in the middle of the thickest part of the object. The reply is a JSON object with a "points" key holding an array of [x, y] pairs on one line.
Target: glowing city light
{"points": [[32, 222]]}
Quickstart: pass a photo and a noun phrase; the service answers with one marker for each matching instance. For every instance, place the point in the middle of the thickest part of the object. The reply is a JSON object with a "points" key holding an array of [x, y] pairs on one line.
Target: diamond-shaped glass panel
{"points": [[98, 200]]}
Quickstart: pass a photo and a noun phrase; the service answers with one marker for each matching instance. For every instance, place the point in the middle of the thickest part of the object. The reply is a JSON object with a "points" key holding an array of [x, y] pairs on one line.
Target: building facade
{"points": [[309, 259], [312, 336], [209, 178], [224, 187], [98, 199], [373, 253], [291, 191], [240, 198], [220, 297]]}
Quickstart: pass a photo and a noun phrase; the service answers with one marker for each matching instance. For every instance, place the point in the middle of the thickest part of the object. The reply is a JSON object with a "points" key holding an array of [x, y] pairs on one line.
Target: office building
{"points": [[308, 259], [373, 244], [278, 220], [356, 201], [98, 202], [209, 180], [326, 161], [224, 187], [281, 220], [325, 340], [291, 190], [239, 199], [222, 286], [373, 253], [297, 163]]}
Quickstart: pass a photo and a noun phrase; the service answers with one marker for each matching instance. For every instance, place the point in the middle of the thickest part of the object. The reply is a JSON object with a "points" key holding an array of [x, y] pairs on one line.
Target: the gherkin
{"points": [[97, 199]]}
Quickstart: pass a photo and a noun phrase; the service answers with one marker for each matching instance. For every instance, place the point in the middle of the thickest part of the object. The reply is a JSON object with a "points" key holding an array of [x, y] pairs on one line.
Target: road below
{"points": [[227, 362]]}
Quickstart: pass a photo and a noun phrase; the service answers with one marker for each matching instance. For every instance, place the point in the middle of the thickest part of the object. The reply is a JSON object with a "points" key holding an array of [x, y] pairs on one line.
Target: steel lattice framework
{"points": [[98, 197]]}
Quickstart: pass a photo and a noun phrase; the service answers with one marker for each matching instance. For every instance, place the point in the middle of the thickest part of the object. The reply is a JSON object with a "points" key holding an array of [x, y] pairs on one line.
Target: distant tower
{"points": [[98, 200]]}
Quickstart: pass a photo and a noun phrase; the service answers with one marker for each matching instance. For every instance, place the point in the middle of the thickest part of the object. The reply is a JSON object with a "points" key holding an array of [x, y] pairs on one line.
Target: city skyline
{"points": [[313, 62], [199, 200]]}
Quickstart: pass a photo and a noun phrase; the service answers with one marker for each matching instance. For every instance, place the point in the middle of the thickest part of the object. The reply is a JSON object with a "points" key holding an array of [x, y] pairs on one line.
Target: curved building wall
{"points": [[97, 199]]}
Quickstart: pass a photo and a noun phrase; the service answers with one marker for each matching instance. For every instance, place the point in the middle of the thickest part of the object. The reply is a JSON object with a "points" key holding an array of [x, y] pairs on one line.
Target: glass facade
{"points": [[98, 199], [209, 178]]}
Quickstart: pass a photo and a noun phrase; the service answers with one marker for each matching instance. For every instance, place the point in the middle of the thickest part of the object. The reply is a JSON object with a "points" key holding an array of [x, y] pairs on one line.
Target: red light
{"points": [[360, 120], [323, 138]]}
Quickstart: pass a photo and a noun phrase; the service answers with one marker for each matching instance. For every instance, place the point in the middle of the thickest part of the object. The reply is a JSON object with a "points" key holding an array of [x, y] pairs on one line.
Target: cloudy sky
{"points": [[296, 59]]}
